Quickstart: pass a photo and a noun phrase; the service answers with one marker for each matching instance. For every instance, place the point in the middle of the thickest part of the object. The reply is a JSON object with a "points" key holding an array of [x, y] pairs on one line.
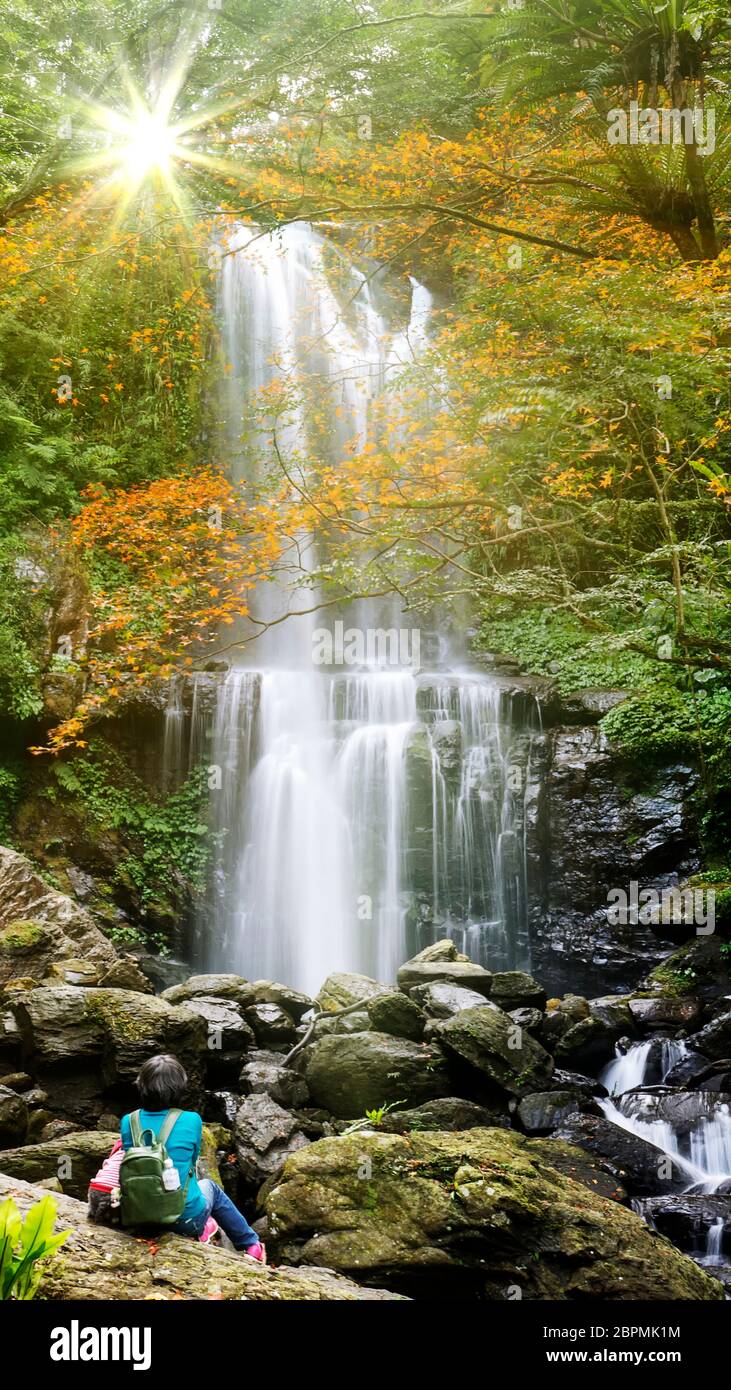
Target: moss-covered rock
{"points": [[496, 1048], [349, 1074], [474, 1213], [396, 1014], [341, 989]]}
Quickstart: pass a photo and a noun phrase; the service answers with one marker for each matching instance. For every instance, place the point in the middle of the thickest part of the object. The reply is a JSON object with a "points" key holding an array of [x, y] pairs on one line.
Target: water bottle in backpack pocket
{"points": [[149, 1181]]}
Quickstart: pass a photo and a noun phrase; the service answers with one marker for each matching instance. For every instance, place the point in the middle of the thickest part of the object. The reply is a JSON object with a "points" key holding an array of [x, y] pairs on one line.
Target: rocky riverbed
{"points": [[454, 1135]]}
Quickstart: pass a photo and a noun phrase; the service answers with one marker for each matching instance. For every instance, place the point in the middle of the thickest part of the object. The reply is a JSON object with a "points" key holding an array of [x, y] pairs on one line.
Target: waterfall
{"points": [[363, 811], [701, 1150]]}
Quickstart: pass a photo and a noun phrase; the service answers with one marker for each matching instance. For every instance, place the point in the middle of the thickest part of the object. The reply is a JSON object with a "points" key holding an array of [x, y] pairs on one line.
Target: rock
{"points": [[714, 1041], [221, 1107], [529, 1019], [614, 1012], [349, 1075], [17, 1081], [72, 1157], [264, 1074], [162, 971], [232, 987], [574, 1081], [686, 1218], [341, 990], [265, 1135], [665, 1013], [444, 949], [589, 706], [698, 968], [39, 926], [489, 1042], [691, 1069], [117, 1028], [56, 1129], [13, 1118], [465, 1215], [684, 1111], [103, 1264], [72, 972], [292, 1002], [641, 1167], [446, 1114], [441, 1000], [125, 974], [456, 972], [587, 1045], [271, 1024], [514, 989], [396, 1014], [224, 1021], [543, 1111]]}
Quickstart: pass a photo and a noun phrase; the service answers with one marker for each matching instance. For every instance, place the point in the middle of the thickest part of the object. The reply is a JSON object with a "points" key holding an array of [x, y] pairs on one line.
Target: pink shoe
{"points": [[209, 1231], [256, 1252]]}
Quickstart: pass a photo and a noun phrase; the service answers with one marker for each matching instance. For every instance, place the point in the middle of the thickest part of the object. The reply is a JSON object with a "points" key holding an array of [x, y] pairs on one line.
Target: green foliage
{"points": [[555, 644], [657, 724], [24, 1244], [23, 598]]}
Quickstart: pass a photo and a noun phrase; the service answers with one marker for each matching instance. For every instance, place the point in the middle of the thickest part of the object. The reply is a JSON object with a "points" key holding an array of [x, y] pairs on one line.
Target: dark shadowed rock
{"points": [[544, 1111], [271, 1024], [13, 1118], [265, 1135], [587, 1046], [446, 1114], [263, 1074], [670, 1013], [641, 1167], [514, 989], [714, 1040]]}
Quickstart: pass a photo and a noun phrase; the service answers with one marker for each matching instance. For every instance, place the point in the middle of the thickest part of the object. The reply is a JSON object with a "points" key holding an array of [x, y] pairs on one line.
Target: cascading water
{"points": [[362, 813]]}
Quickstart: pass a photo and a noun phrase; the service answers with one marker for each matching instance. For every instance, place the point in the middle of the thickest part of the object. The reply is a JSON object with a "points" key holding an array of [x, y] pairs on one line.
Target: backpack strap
{"points": [[167, 1126], [136, 1129]]}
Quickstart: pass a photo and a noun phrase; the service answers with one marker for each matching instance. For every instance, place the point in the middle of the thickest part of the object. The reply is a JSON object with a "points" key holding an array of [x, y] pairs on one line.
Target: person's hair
{"points": [[161, 1082]]}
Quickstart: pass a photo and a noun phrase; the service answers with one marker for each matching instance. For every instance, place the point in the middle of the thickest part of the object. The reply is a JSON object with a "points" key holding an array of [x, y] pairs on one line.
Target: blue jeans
{"points": [[222, 1209]]}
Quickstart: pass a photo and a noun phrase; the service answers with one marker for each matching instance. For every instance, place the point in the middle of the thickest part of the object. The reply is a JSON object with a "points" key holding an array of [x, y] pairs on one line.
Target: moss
{"points": [[116, 1015], [22, 936]]}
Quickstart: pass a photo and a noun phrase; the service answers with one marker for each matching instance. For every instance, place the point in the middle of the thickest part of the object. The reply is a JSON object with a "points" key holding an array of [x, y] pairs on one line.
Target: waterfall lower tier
{"points": [[361, 817]]}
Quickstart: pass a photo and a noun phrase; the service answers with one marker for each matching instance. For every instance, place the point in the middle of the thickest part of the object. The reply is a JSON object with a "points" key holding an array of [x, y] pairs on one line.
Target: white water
{"points": [[703, 1155], [362, 813]]}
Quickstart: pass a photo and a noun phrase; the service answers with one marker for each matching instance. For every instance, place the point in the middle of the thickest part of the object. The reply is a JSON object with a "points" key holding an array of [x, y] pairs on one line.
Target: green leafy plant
{"points": [[24, 1244], [372, 1118]]}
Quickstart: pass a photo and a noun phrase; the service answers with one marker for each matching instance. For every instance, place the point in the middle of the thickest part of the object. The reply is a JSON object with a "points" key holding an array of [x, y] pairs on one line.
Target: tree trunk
{"points": [[102, 1264]]}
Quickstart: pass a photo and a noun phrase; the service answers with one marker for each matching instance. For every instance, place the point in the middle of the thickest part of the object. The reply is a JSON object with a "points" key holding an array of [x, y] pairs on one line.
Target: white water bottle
{"points": [[170, 1176]]}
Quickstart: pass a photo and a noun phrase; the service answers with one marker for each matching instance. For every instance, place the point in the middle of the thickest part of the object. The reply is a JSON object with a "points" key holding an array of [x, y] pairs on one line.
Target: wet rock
{"points": [[514, 989], [263, 1074], [530, 1019], [232, 987], [714, 1040], [639, 1166], [342, 989], [453, 1214], [457, 972], [441, 1000], [587, 1045], [543, 1111], [72, 1157], [271, 1024], [613, 1010], [225, 1024], [589, 706], [449, 1113], [690, 1070], [13, 1118], [17, 1081], [686, 1219], [349, 1075], [265, 1135], [396, 1014], [221, 1107], [665, 1013], [576, 1081], [487, 1040], [162, 972], [683, 1111]]}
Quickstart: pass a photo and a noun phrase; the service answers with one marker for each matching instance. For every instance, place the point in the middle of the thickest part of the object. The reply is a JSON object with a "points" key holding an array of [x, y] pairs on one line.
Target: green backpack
{"points": [[145, 1200]]}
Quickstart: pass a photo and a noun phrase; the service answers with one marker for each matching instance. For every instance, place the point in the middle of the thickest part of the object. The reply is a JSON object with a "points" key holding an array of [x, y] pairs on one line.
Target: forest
{"points": [[365, 639]]}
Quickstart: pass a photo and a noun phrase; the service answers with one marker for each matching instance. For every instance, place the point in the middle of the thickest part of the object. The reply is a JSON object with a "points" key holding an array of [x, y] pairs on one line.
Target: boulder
{"points": [[614, 1012], [714, 1041], [232, 987], [115, 1029], [642, 1168], [514, 989], [102, 1264], [13, 1118], [443, 949], [290, 1000], [449, 1113], [529, 1019], [349, 1075], [543, 1111], [470, 1214], [263, 1074], [396, 1014], [687, 1217], [587, 1045], [265, 1135], [224, 1021], [494, 1047], [73, 1158], [665, 1013], [441, 1000], [271, 1024], [39, 926], [454, 972], [341, 989]]}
